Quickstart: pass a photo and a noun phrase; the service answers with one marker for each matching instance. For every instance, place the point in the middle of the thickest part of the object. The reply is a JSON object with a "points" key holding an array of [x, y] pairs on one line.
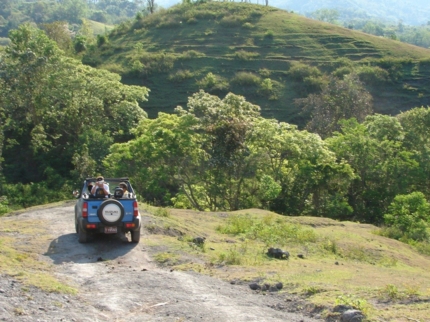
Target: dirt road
{"points": [[119, 282]]}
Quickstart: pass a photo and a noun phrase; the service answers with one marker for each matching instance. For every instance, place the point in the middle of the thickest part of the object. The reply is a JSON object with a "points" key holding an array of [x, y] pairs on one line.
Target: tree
{"points": [[53, 106], [151, 6], [60, 33], [416, 125], [225, 163], [313, 182], [408, 217], [339, 99], [382, 165]]}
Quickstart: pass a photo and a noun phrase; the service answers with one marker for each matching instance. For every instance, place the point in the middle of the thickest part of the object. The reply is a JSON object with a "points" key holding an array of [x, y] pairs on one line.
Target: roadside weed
{"points": [[356, 303]]}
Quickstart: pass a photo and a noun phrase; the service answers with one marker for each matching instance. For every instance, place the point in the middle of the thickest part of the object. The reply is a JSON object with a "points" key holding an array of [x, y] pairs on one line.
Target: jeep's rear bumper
{"points": [[98, 227]]}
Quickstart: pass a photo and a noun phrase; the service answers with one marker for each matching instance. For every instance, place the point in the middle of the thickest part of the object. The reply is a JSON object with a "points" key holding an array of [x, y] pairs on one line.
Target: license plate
{"points": [[111, 230]]}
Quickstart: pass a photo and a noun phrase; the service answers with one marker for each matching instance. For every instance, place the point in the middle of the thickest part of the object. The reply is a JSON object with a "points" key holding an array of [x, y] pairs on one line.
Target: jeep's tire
{"points": [[111, 212], [82, 236], [135, 236]]}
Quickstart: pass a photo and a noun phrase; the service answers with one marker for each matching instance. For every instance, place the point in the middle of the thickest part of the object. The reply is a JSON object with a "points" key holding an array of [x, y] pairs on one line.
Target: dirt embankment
{"points": [[117, 281]]}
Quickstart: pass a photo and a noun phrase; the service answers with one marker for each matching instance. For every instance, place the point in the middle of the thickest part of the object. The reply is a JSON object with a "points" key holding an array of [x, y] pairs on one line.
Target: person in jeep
{"points": [[100, 188]]}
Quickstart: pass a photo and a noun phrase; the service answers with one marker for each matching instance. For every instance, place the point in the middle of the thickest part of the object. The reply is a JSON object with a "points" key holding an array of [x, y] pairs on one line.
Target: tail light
{"points": [[85, 210], [135, 209]]}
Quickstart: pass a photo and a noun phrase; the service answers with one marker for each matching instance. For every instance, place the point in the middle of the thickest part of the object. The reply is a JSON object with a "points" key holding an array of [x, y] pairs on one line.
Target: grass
{"points": [[18, 257], [342, 262]]}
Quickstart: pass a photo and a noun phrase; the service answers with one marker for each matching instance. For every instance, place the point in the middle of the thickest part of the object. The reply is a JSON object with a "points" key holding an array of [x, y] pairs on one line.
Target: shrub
{"points": [[190, 54], [300, 71], [248, 25], [266, 87], [231, 21], [156, 62], [264, 72], [246, 79], [4, 208], [342, 71], [269, 34], [192, 21], [212, 82], [313, 84], [245, 55], [180, 75], [408, 217], [372, 75], [101, 40]]}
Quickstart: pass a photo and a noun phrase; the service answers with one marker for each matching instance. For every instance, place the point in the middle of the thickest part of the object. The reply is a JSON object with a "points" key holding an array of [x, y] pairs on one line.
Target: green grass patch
{"points": [[339, 263], [20, 260]]}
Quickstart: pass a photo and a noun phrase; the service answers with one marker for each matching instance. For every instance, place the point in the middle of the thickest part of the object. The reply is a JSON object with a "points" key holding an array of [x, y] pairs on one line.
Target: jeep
{"points": [[117, 213]]}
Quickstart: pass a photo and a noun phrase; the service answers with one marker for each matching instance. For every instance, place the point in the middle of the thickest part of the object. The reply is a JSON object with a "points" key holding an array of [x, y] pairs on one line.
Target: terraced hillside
{"points": [[242, 45]]}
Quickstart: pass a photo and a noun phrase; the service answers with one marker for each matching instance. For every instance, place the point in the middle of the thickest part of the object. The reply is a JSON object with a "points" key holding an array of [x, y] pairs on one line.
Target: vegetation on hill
{"points": [[16, 12], [270, 56]]}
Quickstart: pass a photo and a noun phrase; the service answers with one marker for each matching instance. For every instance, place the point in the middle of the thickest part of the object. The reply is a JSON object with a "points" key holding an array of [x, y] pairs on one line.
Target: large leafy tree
{"points": [[340, 99], [383, 166], [416, 125], [152, 160], [53, 108], [311, 178], [226, 163]]}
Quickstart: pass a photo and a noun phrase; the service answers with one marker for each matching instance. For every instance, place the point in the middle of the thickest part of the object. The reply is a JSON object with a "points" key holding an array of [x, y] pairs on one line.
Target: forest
{"points": [[63, 121]]}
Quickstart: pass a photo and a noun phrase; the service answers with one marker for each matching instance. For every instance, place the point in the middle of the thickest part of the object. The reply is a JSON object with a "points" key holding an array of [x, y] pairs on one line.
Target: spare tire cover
{"points": [[111, 212]]}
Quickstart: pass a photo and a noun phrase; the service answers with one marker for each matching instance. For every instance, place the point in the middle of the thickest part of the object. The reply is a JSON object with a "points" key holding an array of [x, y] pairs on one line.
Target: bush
{"points": [[212, 82], [269, 34], [408, 217], [101, 40], [373, 75], [190, 54], [264, 72], [246, 79], [149, 63], [300, 71], [26, 195], [231, 21], [342, 71], [245, 55], [248, 25], [192, 21], [313, 84], [180, 75]]}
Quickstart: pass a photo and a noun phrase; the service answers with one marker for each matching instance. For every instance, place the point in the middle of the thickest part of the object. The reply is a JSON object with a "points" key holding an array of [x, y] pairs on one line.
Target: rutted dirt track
{"points": [[119, 282]]}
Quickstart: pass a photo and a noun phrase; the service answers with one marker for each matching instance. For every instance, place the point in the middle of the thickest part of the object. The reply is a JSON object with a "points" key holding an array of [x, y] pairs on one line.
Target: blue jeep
{"points": [[117, 213]]}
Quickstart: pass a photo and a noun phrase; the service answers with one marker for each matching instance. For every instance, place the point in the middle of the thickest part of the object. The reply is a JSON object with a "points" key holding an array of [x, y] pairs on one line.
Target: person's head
{"points": [[123, 186]]}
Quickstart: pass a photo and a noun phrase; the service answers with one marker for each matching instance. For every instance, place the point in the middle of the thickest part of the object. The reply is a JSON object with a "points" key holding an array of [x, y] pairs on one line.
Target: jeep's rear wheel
{"points": [[111, 212], [82, 236], [135, 236]]}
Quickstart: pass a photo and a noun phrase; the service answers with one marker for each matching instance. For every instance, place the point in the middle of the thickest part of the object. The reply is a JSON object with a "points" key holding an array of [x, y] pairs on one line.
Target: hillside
{"points": [[172, 52]]}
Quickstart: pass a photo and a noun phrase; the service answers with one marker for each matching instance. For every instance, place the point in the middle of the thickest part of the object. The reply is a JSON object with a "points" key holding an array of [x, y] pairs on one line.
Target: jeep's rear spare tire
{"points": [[111, 212]]}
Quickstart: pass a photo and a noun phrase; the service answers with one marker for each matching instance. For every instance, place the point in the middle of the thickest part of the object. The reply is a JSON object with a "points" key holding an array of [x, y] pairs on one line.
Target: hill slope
{"points": [[172, 51]]}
